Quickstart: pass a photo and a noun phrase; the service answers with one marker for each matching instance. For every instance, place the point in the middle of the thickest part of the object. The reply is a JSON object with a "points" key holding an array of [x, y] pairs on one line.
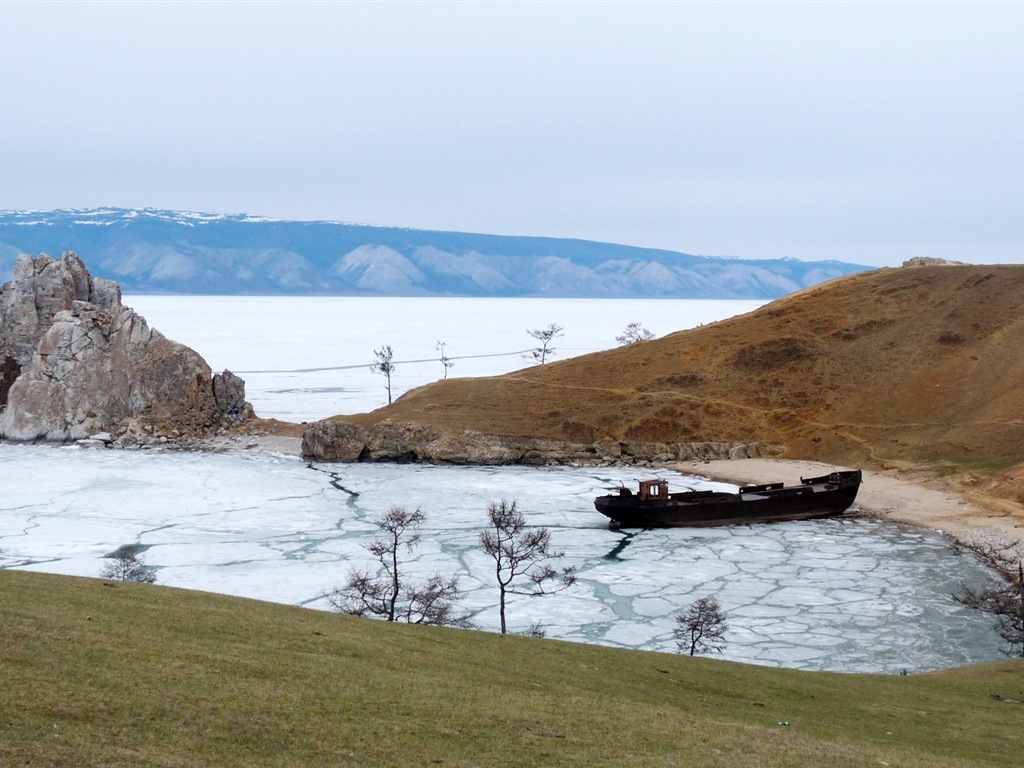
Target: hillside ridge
{"points": [[156, 251], [918, 365]]}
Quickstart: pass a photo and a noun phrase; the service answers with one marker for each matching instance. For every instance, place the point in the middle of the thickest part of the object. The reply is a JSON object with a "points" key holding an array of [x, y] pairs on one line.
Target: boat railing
{"points": [[759, 488]]}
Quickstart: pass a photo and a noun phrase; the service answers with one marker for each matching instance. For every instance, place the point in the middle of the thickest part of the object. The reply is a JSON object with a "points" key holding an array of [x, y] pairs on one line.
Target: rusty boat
{"points": [[653, 506]]}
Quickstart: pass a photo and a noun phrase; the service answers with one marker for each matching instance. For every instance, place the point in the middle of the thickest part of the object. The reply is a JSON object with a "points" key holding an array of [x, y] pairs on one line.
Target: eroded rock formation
{"points": [[41, 288], [332, 440], [74, 361]]}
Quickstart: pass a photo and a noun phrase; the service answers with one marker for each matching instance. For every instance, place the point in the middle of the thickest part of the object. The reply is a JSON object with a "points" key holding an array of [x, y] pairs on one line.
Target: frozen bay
{"points": [[852, 595]]}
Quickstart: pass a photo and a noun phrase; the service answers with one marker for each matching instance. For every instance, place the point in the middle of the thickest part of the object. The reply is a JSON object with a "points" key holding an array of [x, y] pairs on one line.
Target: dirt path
{"points": [[973, 520]]}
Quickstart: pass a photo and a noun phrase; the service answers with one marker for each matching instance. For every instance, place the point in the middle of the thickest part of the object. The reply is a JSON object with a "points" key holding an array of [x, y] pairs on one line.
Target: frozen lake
{"points": [[852, 595]]}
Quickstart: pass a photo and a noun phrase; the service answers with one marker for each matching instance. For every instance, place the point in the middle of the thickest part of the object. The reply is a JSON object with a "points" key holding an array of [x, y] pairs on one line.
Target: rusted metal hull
{"points": [[815, 497]]}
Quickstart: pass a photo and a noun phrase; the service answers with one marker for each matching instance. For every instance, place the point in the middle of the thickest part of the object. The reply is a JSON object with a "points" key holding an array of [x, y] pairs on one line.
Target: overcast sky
{"points": [[869, 133]]}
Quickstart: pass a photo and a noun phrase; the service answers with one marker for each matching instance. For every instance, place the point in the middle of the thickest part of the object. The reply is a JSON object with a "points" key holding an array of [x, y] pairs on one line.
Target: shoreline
{"points": [[979, 522], [992, 527]]}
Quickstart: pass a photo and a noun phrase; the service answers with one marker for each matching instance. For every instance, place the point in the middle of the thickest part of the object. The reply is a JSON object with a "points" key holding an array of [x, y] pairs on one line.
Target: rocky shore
{"points": [[337, 440]]}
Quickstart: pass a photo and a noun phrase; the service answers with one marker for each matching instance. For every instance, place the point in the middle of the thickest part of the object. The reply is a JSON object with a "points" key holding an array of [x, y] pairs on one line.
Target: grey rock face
{"points": [[334, 441], [83, 363], [229, 392], [329, 440], [41, 288]]}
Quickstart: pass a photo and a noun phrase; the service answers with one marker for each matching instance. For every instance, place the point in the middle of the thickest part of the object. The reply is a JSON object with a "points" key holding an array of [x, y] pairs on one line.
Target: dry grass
{"points": [[917, 365], [136, 675]]}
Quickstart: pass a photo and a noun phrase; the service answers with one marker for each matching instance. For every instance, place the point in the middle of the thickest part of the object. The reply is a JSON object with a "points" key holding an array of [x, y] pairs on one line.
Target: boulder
{"points": [[88, 442], [328, 440], [94, 365]]}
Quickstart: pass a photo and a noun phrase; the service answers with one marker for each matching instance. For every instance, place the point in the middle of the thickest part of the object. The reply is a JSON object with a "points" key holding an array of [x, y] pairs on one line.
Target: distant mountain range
{"points": [[154, 251]]}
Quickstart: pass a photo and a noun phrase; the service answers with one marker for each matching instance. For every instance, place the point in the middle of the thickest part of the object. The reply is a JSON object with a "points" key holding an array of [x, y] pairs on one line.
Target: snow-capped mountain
{"points": [[154, 251]]}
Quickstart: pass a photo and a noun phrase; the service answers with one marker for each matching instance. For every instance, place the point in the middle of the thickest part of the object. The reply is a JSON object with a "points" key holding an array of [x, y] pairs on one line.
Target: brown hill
{"points": [[918, 365]]}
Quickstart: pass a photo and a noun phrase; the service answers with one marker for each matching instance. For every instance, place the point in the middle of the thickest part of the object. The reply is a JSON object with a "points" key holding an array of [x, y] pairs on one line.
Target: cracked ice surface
{"points": [[851, 595]]}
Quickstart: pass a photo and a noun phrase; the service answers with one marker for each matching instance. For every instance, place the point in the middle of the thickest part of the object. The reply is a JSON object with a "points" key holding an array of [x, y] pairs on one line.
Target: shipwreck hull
{"points": [[814, 498]]}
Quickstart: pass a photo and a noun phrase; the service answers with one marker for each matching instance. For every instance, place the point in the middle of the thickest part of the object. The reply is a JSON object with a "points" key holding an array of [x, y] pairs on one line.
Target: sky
{"points": [[863, 132]]}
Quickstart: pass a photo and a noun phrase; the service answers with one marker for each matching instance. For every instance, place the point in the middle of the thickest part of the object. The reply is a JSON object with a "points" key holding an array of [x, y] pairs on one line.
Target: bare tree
{"points": [[536, 630], [388, 595], [435, 603], [517, 552], [545, 336], [384, 365], [634, 332], [701, 628], [125, 565], [1004, 601], [445, 360]]}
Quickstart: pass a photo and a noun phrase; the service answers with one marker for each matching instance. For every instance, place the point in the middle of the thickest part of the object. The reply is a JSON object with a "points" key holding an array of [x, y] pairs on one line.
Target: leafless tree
{"points": [[445, 360], [388, 595], [1004, 601], [384, 365], [125, 565], [435, 602], [518, 551], [536, 630], [545, 336], [701, 628], [634, 332]]}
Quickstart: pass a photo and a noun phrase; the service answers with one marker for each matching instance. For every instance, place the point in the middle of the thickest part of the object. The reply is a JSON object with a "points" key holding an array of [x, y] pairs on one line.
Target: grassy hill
{"points": [[920, 365], [98, 674]]}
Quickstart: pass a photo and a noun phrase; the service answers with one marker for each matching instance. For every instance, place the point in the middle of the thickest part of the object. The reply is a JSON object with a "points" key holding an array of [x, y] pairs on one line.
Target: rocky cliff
{"points": [[74, 361]]}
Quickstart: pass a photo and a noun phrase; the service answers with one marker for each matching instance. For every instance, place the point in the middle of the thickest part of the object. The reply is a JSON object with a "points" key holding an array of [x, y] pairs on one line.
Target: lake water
{"points": [[849, 595]]}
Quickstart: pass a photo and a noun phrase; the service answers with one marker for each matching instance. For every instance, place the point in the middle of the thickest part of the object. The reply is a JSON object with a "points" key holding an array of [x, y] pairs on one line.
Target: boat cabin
{"points": [[653, 489]]}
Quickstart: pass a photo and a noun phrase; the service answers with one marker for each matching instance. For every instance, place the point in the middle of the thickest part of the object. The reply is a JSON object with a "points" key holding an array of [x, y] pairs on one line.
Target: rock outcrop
{"points": [[930, 261], [74, 361], [333, 440], [41, 288], [229, 393]]}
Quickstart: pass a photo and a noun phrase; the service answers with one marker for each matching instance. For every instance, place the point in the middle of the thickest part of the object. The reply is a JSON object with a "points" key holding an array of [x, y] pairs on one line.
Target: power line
{"points": [[397, 362]]}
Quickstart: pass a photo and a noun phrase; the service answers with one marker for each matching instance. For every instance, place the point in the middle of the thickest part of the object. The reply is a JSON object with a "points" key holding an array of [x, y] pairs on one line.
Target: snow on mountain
{"points": [[291, 272], [479, 271], [158, 251], [743, 278], [378, 269], [555, 275]]}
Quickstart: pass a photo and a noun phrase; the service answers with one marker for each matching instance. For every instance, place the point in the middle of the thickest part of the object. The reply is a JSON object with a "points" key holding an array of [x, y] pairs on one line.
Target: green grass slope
{"points": [[96, 674]]}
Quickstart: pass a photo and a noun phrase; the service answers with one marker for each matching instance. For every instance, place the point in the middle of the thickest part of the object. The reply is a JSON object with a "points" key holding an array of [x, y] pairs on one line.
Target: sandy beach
{"points": [[973, 520]]}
